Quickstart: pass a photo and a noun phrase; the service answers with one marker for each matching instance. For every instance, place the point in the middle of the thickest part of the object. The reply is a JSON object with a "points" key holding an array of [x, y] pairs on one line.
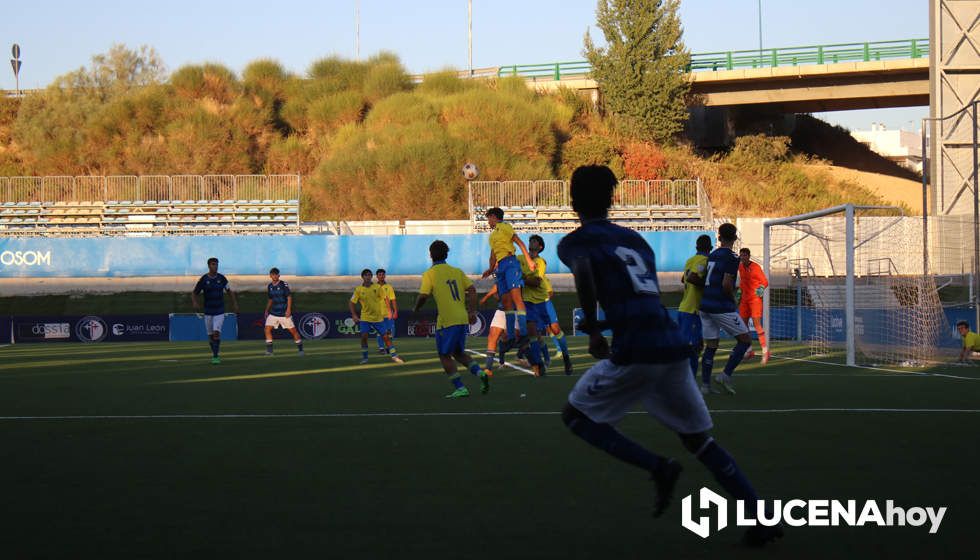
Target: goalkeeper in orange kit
{"points": [[753, 283]]}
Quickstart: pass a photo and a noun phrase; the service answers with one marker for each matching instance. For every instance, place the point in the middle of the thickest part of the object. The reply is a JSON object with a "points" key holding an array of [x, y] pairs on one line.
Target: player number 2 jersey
{"points": [[625, 273]]}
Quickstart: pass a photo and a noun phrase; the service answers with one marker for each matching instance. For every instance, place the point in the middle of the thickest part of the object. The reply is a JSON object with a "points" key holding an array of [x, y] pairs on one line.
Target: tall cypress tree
{"points": [[641, 71]]}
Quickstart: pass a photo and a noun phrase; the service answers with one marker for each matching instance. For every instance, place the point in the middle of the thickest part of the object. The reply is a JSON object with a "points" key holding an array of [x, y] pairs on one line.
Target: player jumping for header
{"points": [[509, 278]]}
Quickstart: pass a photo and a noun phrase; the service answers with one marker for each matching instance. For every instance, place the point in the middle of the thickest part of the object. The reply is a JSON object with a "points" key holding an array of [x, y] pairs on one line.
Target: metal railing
{"points": [[765, 58], [687, 195], [150, 187]]}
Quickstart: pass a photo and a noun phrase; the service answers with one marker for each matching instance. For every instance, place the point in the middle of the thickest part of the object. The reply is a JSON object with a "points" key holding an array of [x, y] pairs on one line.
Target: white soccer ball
{"points": [[471, 171]]}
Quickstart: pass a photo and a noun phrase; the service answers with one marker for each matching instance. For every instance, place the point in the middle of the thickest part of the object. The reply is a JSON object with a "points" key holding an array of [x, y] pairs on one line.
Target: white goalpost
{"points": [[850, 283]]}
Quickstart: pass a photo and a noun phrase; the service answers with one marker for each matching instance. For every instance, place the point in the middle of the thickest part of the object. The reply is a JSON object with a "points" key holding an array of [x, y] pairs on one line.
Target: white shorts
{"points": [[668, 392], [712, 323], [213, 323], [276, 322], [499, 320]]}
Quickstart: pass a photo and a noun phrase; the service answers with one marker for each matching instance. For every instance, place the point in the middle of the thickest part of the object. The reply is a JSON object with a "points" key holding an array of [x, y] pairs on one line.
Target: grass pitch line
{"points": [[875, 368], [328, 415]]}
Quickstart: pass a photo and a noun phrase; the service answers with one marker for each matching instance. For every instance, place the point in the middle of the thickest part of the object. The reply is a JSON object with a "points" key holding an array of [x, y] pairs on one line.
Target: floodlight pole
{"points": [[469, 13], [760, 32], [925, 203]]}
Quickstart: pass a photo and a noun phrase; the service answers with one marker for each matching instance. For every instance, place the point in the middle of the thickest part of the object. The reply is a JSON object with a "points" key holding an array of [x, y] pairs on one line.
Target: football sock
{"points": [[456, 381], [727, 473], [735, 357], [299, 345], [707, 362], [510, 317], [268, 346], [491, 356], [522, 321], [475, 369], [534, 354], [364, 352], [608, 439], [381, 342], [762, 339], [393, 352], [554, 340], [561, 342], [545, 353], [215, 347]]}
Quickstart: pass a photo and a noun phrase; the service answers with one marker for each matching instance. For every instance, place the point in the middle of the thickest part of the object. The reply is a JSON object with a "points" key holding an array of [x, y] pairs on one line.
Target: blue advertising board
{"points": [[91, 328], [190, 326], [338, 324], [295, 255]]}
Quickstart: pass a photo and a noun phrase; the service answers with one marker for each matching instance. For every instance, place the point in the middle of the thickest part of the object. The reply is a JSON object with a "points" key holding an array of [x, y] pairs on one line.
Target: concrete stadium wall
{"points": [[302, 255]]}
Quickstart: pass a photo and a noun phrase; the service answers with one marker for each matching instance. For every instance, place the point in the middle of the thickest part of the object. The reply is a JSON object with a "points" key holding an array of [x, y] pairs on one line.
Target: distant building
{"points": [[904, 147]]}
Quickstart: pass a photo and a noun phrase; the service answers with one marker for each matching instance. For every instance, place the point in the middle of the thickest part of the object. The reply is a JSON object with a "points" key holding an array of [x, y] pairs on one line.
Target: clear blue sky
{"points": [[57, 36]]}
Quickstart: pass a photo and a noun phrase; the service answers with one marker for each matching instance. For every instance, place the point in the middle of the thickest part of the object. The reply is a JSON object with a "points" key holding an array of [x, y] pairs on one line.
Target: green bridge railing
{"points": [[766, 58]]}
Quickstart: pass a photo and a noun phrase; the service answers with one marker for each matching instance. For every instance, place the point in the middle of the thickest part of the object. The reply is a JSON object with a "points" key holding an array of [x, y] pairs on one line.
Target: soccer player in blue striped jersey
{"points": [[279, 311], [213, 286], [719, 312], [648, 359]]}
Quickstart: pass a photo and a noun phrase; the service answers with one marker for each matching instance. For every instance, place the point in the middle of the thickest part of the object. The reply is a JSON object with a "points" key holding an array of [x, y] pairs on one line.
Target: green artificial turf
{"points": [[148, 451]]}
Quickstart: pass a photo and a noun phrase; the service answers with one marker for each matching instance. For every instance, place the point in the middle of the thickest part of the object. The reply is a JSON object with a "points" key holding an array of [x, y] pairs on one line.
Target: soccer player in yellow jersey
{"points": [[509, 278], [552, 327], [387, 338], [535, 295], [449, 286], [371, 298], [971, 341], [695, 271]]}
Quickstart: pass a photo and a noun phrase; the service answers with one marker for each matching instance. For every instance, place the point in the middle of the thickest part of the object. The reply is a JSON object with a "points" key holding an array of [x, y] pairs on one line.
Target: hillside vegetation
{"points": [[370, 143]]}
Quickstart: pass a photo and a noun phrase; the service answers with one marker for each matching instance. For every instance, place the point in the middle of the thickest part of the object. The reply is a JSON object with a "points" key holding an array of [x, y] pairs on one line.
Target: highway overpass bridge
{"points": [[788, 80]]}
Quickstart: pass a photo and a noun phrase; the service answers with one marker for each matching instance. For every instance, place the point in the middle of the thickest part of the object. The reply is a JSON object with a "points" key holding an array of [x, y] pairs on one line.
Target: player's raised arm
{"points": [[523, 247]]}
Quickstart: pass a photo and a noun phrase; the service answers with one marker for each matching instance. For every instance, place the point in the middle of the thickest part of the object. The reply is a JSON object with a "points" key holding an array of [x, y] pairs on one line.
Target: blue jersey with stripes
{"points": [[721, 261], [279, 294], [214, 289], [625, 272]]}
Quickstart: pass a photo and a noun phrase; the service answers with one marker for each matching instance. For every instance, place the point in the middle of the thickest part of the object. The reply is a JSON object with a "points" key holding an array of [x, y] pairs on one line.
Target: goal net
{"points": [[851, 284]]}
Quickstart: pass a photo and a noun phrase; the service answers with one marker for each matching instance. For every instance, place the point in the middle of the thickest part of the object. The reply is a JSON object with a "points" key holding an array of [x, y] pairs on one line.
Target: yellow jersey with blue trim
{"points": [[502, 240], [371, 299], [447, 285], [539, 293], [691, 301], [389, 296]]}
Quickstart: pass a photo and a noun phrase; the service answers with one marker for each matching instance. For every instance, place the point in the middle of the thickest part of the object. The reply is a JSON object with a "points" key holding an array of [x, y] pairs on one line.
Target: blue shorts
{"points": [[552, 314], [690, 327], [537, 313], [509, 275], [379, 327], [451, 340]]}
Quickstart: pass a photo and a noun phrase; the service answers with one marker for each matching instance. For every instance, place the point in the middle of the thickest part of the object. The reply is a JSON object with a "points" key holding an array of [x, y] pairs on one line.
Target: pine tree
{"points": [[641, 71]]}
